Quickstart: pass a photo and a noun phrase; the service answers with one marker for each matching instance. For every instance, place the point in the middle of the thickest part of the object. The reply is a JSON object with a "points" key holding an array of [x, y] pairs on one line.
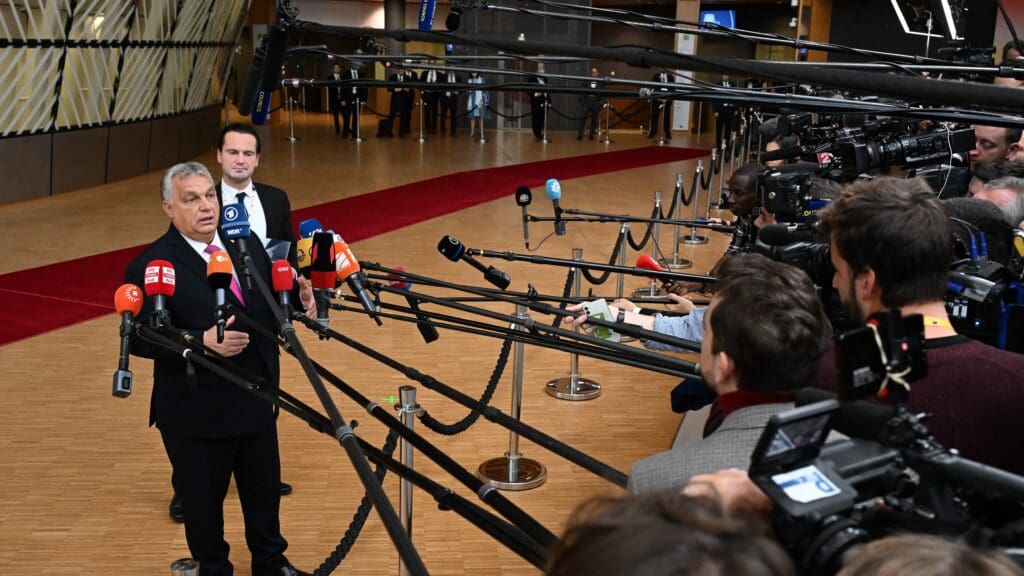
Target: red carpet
{"points": [[50, 297]]}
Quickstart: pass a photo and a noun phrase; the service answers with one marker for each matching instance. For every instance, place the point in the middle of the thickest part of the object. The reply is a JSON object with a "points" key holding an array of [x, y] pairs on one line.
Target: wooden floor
{"points": [[85, 484]]}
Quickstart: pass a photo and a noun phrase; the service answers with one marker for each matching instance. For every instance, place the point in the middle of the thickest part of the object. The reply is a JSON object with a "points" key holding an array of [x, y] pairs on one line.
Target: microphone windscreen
{"points": [[322, 279], [302, 251], [453, 20], [553, 188], [322, 254], [128, 298], [309, 227], [769, 128], [234, 221], [277, 46], [396, 280], [261, 106], [451, 248], [347, 264], [781, 154], [159, 278], [218, 270], [252, 86], [523, 196], [860, 419], [282, 276], [648, 263]]}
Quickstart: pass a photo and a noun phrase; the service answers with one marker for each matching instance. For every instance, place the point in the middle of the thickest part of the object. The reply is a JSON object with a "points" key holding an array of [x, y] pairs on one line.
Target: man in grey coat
{"points": [[765, 335]]}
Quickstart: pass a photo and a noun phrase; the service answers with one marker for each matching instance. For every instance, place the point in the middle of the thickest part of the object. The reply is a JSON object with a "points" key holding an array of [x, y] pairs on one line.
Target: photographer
{"points": [[765, 333], [890, 245]]}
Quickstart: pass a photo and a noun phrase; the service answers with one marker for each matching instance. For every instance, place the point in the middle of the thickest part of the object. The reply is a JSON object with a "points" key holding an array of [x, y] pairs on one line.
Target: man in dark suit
{"points": [[402, 99], [590, 105], [337, 101], [449, 100], [430, 99], [270, 214], [725, 113], [350, 94], [538, 98], [212, 429], [659, 106]]}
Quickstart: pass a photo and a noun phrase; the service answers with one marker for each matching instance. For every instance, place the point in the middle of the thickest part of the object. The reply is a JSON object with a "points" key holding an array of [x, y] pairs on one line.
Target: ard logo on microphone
{"points": [[230, 214]]}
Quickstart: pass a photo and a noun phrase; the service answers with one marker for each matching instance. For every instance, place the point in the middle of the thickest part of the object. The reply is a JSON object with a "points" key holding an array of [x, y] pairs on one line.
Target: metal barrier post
{"points": [[693, 237], [408, 410], [574, 386], [652, 290], [678, 263], [291, 116]]}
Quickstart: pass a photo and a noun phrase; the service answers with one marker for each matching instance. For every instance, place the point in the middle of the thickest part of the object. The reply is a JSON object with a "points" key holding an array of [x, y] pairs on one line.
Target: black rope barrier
{"points": [[631, 116], [639, 246], [355, 527], [603, 277], [573, 118], [485, 399], [510, 116], [706, 184]]}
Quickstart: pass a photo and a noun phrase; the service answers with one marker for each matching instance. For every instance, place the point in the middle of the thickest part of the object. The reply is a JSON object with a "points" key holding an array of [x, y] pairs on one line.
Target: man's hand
{"points": [[577, 321], [306, 297], [233, 344], [682, 305], [732, 489], [679, 288], [625, 305]]}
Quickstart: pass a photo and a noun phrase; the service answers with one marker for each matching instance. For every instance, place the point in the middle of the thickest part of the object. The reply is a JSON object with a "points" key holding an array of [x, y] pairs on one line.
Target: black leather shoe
{"points": [[286, 489], [286, 570], [176, 510]]}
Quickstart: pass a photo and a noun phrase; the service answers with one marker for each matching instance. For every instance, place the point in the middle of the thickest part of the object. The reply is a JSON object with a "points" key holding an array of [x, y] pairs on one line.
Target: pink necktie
{"points": [[236, 289]]}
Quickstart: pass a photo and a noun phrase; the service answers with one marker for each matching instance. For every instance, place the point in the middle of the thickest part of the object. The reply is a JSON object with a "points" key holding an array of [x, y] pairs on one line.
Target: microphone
{"points": [[303, 248], [253, 78], [158, 282], [454, 19], [426, 15], [218, 274], [782, 235], [127, 302], [523, 198], [284, 280], [277, 46], [261, 104], [554, 190], [321, 273], [309, 227], [452, 249], [234, 222], [350, 272], [647, 263], [786, 153], [425, 326]]}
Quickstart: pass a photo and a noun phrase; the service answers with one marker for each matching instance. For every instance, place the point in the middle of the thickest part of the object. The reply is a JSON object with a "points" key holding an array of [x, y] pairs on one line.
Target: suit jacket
{"points": [[209, 407], [668, 82], [443, 78], [346, 92], [336, 92], [279, 216], [431, 95], [724, 108], [405, 98], [728, 447], [534, 99]]}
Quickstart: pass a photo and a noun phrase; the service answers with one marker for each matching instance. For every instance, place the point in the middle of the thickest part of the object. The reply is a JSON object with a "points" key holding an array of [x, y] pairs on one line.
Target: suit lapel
{"points": [[185, 255]]}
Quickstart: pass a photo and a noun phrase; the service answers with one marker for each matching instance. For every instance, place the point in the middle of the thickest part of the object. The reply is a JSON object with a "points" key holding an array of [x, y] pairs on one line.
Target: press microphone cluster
{"points": [[554, 190], [234, 222], [452, 249], [343, 267], [322, 273], [127, 302], [218, 274]]}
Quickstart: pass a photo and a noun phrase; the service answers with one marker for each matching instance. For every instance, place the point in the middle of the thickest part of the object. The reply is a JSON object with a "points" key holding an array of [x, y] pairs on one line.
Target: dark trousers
{"points": [[723, 127], [430, 112], [348, 116], [336, 109], [402, 108], [537, 117], [202, 470], [657, 107], [449, 104], [594, 113]]}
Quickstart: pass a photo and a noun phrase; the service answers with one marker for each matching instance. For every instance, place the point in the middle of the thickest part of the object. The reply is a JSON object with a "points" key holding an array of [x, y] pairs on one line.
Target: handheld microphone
{"points": [[523, 198], [321, 273], [309, 227], [277, 46], [284, 280], [554, 190], [350, 272], [452, 249], [303, 248], [158, 282], [425, 326], [234, 222], [218, 274], [127, 302]]}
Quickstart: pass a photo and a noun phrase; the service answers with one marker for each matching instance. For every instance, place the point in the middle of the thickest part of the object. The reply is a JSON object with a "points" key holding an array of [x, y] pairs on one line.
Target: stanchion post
{"points": [[652, 290], [408, 410], [721, 178], [359, 116], [620, 281], [678, 263], [421, 138], [574, 386], [732, 151], [607, 124], [544, 133], [482, 121], [291, 116], [700, 112], [661, 135], [512, 471], [693, 237]]}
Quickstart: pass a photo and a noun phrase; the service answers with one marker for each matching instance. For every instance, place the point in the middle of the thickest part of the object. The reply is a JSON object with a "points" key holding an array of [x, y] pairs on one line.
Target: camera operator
{"points": [[765, 333], [777, 143], [994, 144], [1007, 193], [890, 245]]}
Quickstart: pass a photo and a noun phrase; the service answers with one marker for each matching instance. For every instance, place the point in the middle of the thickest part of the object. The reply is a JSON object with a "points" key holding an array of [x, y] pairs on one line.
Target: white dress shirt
{"points": [[257, 216]]}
